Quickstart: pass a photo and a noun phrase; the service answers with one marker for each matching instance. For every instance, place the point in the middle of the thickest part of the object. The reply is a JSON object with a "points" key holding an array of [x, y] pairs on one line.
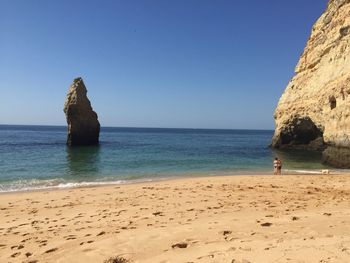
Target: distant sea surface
{"points": [[36, 157]]}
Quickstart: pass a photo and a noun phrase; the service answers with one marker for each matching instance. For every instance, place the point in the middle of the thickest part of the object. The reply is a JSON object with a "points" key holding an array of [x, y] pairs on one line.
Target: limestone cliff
{"points": [[83, 125], [314, 110]]}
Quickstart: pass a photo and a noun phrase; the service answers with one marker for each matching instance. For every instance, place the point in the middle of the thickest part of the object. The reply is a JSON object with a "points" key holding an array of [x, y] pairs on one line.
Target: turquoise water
{"points": [[35, 157]]}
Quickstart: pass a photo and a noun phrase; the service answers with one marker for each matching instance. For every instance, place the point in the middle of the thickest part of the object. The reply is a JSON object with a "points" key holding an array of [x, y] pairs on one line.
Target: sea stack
{"points": [[314, 110], [83, 125]]}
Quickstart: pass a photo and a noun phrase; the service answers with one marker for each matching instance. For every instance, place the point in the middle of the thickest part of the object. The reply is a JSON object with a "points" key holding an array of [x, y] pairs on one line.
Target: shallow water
{"points": [[34, 157]]}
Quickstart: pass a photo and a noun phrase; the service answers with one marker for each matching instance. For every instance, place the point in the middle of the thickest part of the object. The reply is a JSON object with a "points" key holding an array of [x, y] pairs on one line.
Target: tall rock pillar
{"points": [[83, 124]]}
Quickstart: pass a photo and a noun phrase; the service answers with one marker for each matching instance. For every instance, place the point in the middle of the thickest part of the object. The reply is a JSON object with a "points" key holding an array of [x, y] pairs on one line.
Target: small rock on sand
{"points": [[180, 245]]}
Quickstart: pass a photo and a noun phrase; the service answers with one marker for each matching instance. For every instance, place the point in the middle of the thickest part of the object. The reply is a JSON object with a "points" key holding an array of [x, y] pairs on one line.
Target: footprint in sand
{"points": [[101, 233], [225, 232], [158, 214], [16, 254], [70, 237], [51, 250], [43, 243], [20, 246]]}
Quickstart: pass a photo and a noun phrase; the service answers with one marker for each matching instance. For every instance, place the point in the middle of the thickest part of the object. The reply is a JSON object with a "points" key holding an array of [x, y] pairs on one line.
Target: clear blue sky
{"points": [[180, 63]]}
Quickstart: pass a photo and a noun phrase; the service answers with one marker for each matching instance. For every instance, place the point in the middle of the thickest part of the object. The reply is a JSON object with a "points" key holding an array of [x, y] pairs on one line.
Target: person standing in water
{"points": [[275, 166], [279, 167]]}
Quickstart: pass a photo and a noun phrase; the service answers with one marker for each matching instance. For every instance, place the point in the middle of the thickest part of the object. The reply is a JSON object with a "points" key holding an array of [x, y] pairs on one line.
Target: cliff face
{"points": [[314, 110], [83, 125]]}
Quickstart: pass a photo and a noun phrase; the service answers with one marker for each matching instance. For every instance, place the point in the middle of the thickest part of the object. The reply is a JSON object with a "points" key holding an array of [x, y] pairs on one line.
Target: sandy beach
{"points": [[302, 218]]}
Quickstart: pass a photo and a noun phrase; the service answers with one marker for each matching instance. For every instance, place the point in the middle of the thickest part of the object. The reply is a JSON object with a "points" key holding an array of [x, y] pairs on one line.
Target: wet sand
{"points": [[302, 218]]}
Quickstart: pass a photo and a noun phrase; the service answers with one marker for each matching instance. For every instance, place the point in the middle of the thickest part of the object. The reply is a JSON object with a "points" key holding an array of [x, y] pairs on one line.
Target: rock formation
{"points": [[314, 110], [83, 125]]}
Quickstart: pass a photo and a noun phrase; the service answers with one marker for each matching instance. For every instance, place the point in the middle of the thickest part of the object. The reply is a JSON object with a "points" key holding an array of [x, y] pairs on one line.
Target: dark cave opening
{"points": [[300, 131], [332, 102]]}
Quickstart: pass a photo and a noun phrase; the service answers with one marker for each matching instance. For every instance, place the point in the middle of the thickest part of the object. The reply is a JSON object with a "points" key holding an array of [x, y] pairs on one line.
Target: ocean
{"points": [[36, 157]]}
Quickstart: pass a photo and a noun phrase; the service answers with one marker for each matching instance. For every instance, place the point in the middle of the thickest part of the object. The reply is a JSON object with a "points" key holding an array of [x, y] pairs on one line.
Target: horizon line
{"points": [[134, 127]]}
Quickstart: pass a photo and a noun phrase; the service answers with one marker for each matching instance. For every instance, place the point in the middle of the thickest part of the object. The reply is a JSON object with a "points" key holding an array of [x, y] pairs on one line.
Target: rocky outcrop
{"points": [[314, 110], [83, 125]]}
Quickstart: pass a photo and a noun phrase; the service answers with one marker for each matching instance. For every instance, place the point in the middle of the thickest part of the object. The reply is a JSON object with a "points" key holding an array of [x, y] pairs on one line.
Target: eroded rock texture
{"points": [[83, 124], [314, 110]]}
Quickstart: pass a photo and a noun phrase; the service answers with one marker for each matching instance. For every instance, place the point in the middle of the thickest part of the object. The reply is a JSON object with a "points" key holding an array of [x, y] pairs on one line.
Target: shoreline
{"points": [[89, 184], [257, 218]]}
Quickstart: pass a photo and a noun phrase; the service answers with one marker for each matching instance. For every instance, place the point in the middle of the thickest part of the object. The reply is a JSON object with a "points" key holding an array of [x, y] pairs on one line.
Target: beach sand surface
{"points": [[302, 218]]}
